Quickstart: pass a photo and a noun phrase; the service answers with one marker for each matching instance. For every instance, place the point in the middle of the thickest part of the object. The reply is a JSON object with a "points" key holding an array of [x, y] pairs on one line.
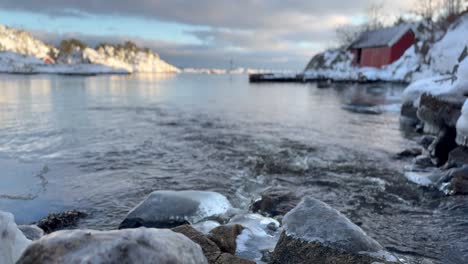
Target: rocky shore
{"points": [[198, 227]]}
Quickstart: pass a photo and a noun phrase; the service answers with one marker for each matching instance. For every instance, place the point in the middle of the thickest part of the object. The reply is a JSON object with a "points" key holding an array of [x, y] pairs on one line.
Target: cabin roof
{"points": [[381, 37]]}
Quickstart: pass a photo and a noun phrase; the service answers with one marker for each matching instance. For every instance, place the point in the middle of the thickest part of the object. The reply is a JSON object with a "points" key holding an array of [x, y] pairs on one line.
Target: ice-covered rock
{"points": [[462, 126], [166, 209], [32, 232], [316, 233], [123, 246], [260, 235], [206, 226], [12, 240]]}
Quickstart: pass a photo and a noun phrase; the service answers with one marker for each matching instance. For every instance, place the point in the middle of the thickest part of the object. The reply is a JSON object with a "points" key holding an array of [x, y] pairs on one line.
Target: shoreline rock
{"points": [[168, 209], [12, 241], [59, 221], [316, 233]]}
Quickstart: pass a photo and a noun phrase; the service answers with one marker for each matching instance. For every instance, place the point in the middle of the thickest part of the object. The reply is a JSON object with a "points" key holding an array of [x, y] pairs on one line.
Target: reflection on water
{"points": [[102, 143]]}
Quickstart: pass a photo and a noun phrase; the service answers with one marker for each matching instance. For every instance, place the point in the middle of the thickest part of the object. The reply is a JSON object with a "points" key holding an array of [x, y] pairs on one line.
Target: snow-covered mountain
{"points": [[20, 52]]}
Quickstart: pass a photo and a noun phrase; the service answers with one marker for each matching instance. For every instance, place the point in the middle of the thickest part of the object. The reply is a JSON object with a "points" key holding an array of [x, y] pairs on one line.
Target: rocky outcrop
{"points": [[12, 240], [168, 209], [439, 112], [213, 253], [316, 233], [275, 201], [59, 221], [124, 246]]}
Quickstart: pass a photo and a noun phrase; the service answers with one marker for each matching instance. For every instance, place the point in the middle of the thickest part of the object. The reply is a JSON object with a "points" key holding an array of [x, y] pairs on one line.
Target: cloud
{"points": [[252, 32]]}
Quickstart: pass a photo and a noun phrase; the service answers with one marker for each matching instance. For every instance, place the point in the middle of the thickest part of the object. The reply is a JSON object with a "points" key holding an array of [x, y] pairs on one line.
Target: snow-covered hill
{"points": [[437, 53], [22, 42], [20, 52]]}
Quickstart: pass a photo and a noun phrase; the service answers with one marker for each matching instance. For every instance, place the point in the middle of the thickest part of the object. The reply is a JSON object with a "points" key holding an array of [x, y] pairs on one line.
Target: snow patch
{"points": [[12, 240]]}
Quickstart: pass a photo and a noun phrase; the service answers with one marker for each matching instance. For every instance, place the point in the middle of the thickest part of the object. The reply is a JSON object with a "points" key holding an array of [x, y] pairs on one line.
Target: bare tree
{"points": [[347, 34], [452, 7], [427, 9], [375, 15]]}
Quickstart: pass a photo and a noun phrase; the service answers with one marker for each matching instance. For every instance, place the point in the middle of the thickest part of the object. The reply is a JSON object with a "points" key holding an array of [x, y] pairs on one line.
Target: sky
{"points": [[261, 34]]}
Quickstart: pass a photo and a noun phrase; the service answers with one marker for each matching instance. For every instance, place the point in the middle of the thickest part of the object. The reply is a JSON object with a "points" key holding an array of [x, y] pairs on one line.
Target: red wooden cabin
{"points": [[381, 47]]}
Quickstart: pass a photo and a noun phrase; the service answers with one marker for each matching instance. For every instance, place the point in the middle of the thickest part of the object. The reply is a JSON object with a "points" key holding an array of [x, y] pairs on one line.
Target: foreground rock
{"points": [[213, 253], [59, 221], [124, 246], [168, 209], [316, 233], [275, 201], [12, 240], [225, 237]]}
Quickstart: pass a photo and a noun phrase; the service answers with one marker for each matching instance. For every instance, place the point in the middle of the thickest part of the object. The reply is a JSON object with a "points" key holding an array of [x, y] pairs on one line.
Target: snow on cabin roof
{"points": [[381, 37]]}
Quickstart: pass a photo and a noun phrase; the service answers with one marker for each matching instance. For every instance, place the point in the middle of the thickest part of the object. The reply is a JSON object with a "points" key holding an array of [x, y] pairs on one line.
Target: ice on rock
{"points": [[462, 126], [12, 240], [315, 221], [167, 209], [260, 235], [143, 246], [206, 226]]}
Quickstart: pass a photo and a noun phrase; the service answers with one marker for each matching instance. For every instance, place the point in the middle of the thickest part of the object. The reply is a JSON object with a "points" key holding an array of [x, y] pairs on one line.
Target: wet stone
{"points": [[275, 201], [455, 181], [443, 145], [426, 141], [225, 237], [458, 157], [60, 221], [408, 153]]}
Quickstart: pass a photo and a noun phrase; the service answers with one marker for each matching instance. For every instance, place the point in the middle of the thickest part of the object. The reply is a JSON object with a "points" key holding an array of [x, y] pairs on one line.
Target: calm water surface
{"points": [[101, 144]]}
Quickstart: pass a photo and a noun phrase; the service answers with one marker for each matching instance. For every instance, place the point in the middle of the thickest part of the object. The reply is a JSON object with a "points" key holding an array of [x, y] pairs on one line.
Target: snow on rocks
{"points": [[316, 233], [12, 240], [166, 209], [124, 246]]}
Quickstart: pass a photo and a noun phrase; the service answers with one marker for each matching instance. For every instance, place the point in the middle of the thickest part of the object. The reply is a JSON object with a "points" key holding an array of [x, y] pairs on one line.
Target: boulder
{"points": [[316, 233], [123, 246], [12, 240], [457, 157], [426, 141], [225, 237], [168, 209], [211, 250], [275, 201], [32, 232], [59, 221], [454, 181]]}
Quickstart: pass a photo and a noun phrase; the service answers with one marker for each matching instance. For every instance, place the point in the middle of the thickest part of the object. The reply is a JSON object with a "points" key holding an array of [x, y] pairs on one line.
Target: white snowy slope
{"points": [[11, 62], [445, 53], [119, 58], [22, 42]]}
